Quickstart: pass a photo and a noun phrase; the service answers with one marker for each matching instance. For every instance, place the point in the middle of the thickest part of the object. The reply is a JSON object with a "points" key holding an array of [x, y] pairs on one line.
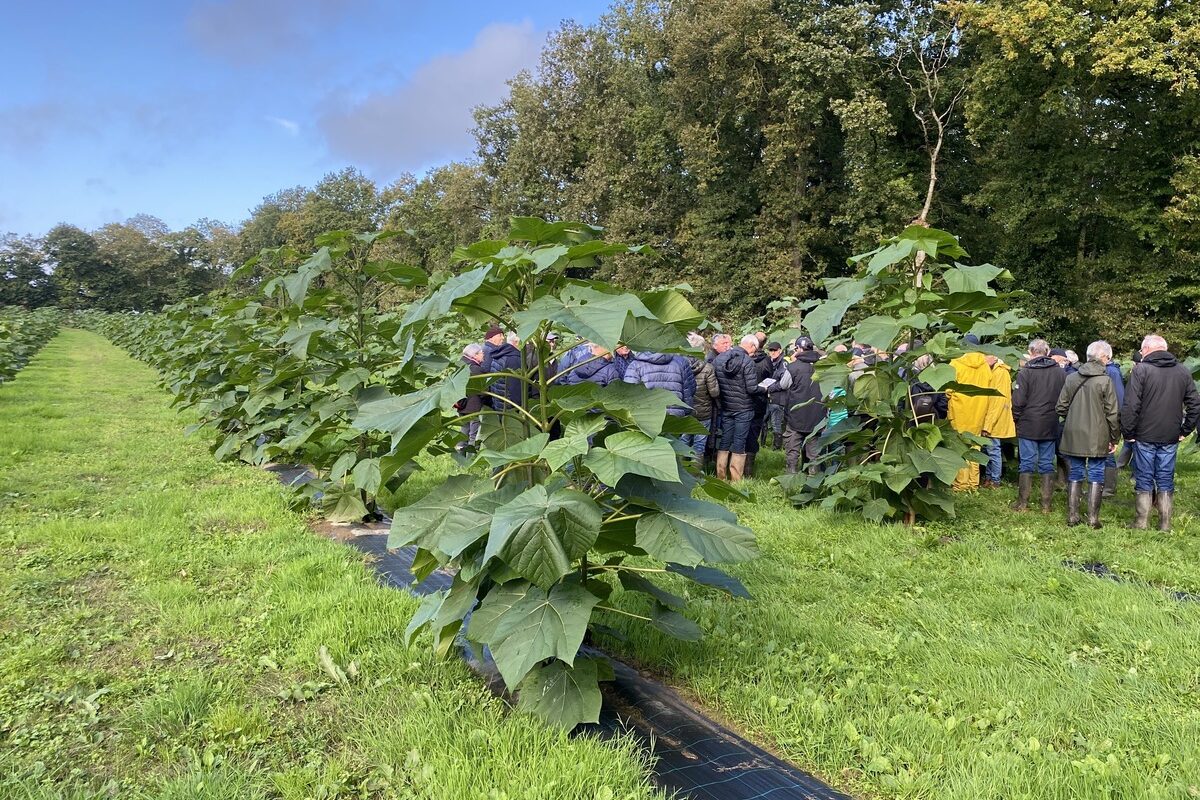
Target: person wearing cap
{"points": [[773, 425], [804, 408], [968, 412], [501, 354], [1034, 401], [1161, 409]]}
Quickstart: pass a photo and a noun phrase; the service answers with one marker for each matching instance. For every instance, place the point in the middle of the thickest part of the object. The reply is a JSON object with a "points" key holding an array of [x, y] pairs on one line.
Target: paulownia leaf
{"points": [[674, 624], [523, 625], [629, 403], [712, 577], [443, 612], [688, 531], [561, 695], [633, 582], [596, 316], [540, 534], [632, 452], [451, 518]]}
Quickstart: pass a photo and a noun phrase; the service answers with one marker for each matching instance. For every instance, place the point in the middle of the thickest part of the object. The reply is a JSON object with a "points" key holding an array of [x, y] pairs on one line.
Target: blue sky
{"points": [[198, 109]]}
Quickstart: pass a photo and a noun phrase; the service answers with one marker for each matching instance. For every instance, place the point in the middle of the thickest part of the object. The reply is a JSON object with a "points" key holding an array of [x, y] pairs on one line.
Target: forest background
{"points": [[755, 144]]}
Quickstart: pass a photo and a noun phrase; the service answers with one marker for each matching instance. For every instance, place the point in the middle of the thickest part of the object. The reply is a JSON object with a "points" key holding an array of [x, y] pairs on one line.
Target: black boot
{"points": [[1110, 481], [1074, 490], [1047, 492], [1024, 489], [1095, 495], [749, 473], [1166, 507], [1141, 510], [778, 443]]}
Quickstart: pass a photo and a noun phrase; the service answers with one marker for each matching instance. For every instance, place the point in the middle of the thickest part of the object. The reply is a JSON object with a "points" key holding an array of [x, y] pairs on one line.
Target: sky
{"points": [[190, 109]]}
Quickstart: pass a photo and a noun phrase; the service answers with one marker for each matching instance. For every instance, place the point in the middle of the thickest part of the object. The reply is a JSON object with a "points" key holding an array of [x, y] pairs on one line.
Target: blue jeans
{"points": [[1093, 467], [697, 441], [1037, 456], [1155, 466], [774, 419], [995, 462], [735, 431]]}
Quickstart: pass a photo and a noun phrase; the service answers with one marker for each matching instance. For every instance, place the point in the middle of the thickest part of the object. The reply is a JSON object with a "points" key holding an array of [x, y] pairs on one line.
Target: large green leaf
{"points": [[687, 531], [525, 450], [398, 414], [878, 331], [523, 624], [596, 316], [633, 452], [630, 403], [672, 307], [299, 334], [443, 612], [540, 534], [712, 577], [559, 452], [451, 518], [674, 624], [564, 696], [633, 582], [438, 303], [962, 278]]}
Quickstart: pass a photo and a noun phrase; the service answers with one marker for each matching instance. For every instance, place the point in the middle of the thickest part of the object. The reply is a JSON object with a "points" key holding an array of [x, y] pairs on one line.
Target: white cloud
{"points": [[288, 126], [427, 118]]}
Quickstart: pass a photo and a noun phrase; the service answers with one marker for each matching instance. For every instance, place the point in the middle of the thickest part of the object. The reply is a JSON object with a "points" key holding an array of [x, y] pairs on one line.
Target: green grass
{"points": [[961, 660], [156, 604]]}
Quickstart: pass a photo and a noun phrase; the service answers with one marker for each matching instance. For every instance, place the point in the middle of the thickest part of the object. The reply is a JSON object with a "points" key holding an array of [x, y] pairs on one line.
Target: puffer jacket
{"points": [[707, 390], [967, 412], [502, 358], [737, 375], [1034, 397], [998, 422], [472, 402], [576, 355], [1161, 402], [1088, 406], [803, 402], [663, 371]]}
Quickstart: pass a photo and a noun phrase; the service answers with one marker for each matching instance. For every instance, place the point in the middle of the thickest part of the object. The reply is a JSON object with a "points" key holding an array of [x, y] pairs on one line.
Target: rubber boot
{"points": [[737, 466], [1074, 491], [1062, 472], [1166, 507], [748, 470], [1024, 489], [1110, 481], [1141, 510], [778, 443], [1047, 492], [1095, 497], [723, 464]]}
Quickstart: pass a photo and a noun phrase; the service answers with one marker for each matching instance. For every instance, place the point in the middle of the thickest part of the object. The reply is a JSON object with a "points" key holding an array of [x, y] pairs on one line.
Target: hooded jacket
{"points": [[707, 389], [803, 402], [737, 376], [776, 396], [501, 358], [967, 412], [1114, 373], [1034, 398], [998, 421], [1088, 406], [663, 371], [1161, 402], [766, 369], [472, 402]]}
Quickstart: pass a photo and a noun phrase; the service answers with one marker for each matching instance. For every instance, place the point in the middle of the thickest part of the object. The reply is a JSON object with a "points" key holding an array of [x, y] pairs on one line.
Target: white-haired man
{"points": [[1161, 409], [1091, 430], [472, 404], [737, 377]]}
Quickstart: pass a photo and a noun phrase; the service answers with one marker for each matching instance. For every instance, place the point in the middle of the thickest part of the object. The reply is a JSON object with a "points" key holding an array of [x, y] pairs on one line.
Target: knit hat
{"points": [[495, 330]]}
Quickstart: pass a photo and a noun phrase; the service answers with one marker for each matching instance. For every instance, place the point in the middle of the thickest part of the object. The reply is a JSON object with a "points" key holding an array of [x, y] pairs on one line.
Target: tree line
{"points": [[755, 144]]}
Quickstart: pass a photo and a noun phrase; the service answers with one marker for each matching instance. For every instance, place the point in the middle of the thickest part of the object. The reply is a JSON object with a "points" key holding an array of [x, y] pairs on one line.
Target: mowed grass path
{"points": [[154, 606]]}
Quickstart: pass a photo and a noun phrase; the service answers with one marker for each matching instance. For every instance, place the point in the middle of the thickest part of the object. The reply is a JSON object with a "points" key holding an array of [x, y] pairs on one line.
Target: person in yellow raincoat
{"points": [[998, 421], [968, 412]]}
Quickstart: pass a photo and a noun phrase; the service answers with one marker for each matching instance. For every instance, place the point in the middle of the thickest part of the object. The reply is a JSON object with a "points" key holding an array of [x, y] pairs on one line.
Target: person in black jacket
{"points": [[804, 408], [765, 369], [472, 404], [737, 377], [501, 354], [1161, 409], [773, 425], [1034, 397]]}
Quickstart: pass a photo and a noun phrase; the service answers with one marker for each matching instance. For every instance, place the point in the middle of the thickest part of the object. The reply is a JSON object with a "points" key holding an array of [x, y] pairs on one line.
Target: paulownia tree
{"points": [[575, 491], [887, 465]]}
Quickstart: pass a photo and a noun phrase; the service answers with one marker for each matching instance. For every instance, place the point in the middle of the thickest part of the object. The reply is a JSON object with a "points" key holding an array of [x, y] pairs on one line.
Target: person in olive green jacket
{"points": [[1091, 430]]}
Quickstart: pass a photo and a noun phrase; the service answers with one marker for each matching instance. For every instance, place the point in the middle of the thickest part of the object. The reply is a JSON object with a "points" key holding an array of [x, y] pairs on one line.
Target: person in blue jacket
{"points": [[664, 371], [1110, 466]]}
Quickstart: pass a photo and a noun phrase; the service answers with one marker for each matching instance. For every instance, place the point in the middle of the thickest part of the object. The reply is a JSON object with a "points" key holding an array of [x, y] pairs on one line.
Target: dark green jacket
{"points": [[1088, 406]]}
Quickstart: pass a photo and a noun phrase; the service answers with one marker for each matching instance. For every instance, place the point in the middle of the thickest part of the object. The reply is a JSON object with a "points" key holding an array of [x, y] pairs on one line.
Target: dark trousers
{"points": [[735, 432], [801, 447]]}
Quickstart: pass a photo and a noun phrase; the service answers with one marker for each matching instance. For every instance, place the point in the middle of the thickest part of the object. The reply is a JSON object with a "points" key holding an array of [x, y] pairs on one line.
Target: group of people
{"points": [[1065, 417], [1071, 417]]}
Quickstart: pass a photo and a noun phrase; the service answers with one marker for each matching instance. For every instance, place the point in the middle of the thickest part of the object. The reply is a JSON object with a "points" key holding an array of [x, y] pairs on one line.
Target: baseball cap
{"points": [[495, 330], [774, 346]]}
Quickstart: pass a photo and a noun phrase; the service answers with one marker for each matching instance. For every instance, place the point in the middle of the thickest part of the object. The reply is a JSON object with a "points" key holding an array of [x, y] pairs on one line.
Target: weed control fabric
{"points": [[694, 755]]}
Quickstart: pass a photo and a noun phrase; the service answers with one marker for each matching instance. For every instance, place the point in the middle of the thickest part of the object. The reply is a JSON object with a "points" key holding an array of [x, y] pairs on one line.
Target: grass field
{"points": [[162, 617]]}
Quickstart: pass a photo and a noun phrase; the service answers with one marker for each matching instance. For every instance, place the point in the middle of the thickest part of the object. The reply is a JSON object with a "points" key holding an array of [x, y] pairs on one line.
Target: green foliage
{"points": [[279, 377], [924, 302], [542, 543], [22, 334]]}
